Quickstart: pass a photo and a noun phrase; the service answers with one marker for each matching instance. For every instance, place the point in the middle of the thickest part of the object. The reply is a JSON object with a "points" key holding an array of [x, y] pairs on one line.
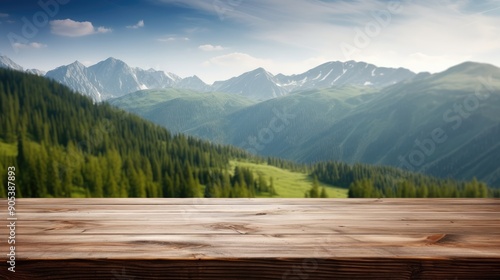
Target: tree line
{"points": [[369, 181]]}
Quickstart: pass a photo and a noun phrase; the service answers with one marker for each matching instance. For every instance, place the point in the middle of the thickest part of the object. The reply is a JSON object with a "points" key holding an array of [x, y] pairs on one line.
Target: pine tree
{"points": [[168, 186], [323, 193], [314, 192]]}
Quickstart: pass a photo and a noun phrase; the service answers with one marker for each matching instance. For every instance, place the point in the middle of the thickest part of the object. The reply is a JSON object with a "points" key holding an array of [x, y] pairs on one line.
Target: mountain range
{"points": [[113, 78], [69, 146], [110, 78], [445, 124]]}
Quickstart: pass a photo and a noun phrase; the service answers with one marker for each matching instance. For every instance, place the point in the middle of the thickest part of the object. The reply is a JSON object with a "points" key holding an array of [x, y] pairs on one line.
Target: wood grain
{"points": [[255, 239]]}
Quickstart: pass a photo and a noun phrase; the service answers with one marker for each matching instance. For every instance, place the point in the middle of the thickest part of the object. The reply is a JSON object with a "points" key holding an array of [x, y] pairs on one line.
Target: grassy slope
{"points": [[290, 184]]}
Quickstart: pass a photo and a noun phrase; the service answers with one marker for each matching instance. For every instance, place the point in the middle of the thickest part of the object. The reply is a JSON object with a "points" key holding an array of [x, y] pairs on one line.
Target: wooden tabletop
{"points": [[254, 239]]}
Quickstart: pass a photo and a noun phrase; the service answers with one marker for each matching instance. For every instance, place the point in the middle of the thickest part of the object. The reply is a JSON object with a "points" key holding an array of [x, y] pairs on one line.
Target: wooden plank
{"points": [[213, 246], [260, 268], [255, 239], [269, 227]]}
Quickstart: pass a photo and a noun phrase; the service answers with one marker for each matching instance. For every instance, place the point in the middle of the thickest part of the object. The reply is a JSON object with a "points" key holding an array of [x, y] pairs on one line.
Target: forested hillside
{"points": [[64, 145]]}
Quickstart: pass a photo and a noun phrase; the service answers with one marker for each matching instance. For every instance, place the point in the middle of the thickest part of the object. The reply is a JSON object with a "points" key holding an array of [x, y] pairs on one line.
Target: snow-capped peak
{"points": [[6, 62]]}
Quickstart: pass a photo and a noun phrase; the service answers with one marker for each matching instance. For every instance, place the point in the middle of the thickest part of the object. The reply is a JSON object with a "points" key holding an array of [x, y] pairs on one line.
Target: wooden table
{"points": [[254, 239]]}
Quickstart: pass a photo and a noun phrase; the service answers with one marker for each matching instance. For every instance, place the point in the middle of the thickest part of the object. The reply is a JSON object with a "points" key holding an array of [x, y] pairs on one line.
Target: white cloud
{"points": [[444, 32], [102, 29], [229, 65], [71, 28], [173, 39], [32, 45], [426, 37], [211, 48], [196, 29], [136, 26], [237, 59], [270, 12]]}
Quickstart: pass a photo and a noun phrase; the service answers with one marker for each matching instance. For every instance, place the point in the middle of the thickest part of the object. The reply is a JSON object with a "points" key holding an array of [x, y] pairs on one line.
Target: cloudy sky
{"points": [[218, 39]]}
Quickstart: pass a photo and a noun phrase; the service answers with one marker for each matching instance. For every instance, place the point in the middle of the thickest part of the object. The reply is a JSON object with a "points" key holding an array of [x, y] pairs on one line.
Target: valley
{"points": [[442, 125], [289, 184], [435, 124]]}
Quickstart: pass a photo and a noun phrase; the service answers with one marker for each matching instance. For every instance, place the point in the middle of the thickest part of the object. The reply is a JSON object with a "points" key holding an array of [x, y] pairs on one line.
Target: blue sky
{"points": [[218, 39]]}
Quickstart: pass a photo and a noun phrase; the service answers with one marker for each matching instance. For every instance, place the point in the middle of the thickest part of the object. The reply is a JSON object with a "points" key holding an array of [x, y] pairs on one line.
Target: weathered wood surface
{"points": [[255, 239]]}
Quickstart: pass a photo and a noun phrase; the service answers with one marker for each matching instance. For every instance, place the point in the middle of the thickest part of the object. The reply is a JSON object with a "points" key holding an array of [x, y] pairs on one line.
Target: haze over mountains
{"points": [[445, 124]]}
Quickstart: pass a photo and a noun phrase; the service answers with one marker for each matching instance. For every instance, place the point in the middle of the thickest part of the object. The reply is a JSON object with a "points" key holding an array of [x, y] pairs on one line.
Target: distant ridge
{"points": [[113, 78], [445, 124], [110, 78]]}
